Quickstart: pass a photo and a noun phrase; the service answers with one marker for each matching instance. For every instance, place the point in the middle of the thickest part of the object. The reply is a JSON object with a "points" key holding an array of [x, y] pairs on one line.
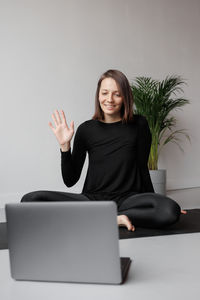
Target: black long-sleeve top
{"points": [[118, 156]]}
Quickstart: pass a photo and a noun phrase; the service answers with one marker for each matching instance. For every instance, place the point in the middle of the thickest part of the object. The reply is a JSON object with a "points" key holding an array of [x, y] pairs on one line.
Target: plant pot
{"points": [[158, 178]]}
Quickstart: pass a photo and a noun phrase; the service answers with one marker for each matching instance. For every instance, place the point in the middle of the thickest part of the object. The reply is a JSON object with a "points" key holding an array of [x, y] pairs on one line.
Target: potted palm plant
{"points": [[155, 100]]}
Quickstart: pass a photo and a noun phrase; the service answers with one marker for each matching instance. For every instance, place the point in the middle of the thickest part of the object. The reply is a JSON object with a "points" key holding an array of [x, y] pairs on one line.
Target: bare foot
{"points": [[124, 221]]}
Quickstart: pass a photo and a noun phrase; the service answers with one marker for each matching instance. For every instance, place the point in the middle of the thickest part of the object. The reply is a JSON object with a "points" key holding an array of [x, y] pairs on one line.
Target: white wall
{"points": [[51, 55]]}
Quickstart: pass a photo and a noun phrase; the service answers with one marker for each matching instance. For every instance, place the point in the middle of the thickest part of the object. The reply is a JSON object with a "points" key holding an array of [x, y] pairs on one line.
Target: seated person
{"points": [[118, 144]]}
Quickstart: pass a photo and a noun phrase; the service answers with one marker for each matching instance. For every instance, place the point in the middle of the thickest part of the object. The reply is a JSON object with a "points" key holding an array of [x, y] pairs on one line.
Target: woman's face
{"points": [[110, 98]]}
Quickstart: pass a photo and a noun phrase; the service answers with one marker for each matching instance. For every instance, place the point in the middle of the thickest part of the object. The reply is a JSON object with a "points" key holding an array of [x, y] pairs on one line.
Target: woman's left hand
{"points": [[184, 212]]}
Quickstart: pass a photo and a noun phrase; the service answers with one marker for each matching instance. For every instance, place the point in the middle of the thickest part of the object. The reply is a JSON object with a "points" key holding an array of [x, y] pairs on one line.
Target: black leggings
{"points": [[144, 210]]}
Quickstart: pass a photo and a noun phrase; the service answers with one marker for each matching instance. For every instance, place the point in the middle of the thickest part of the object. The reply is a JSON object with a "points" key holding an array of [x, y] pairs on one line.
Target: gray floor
{"points": [[164, 267]]}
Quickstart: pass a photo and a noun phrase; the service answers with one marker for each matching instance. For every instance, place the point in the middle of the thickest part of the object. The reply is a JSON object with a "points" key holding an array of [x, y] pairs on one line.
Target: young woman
{"points": [[118, 144]]}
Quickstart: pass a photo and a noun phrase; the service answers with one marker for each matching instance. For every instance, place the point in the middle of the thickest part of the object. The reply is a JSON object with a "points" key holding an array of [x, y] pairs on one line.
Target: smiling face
{"points": [[110, 99]]}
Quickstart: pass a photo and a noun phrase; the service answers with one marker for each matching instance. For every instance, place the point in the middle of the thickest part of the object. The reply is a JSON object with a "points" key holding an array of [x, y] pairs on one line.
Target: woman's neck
{"points": [[108, 119]]}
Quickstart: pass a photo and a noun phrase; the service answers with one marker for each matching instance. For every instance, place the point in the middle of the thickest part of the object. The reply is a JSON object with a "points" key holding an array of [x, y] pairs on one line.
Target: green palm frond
{"points": [[174, 137], [155, 100]]}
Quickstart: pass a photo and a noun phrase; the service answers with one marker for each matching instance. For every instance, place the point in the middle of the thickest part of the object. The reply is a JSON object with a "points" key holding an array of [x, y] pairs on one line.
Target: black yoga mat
{"points": [[188, 223]]}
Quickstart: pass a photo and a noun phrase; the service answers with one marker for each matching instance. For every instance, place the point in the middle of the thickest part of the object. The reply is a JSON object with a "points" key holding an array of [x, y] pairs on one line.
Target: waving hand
{"points": [[62, 132]]}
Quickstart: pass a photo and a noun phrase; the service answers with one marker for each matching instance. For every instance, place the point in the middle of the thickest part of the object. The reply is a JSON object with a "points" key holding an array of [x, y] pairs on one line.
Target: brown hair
{"points": [[125, 91]]}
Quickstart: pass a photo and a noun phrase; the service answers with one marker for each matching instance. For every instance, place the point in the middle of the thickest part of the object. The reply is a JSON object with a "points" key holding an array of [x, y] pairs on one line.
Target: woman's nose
{"points": [[110, 98]]}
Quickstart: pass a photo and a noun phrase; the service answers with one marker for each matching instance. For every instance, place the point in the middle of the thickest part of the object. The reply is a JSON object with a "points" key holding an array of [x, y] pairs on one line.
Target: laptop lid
{"points": [[64, 241]]}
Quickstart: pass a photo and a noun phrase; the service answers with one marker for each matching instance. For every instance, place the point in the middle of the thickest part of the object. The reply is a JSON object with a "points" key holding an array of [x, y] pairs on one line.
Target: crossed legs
{"points": [[144, 210], [150, 210], [50, 196]]}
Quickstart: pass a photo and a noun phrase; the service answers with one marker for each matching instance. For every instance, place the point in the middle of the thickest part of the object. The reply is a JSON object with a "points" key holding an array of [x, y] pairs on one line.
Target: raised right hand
{"points": [[62, 132]]}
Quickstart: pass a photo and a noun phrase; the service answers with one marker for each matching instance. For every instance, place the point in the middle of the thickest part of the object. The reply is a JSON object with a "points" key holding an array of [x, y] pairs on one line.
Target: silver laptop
{"points": [[65, 241]]}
